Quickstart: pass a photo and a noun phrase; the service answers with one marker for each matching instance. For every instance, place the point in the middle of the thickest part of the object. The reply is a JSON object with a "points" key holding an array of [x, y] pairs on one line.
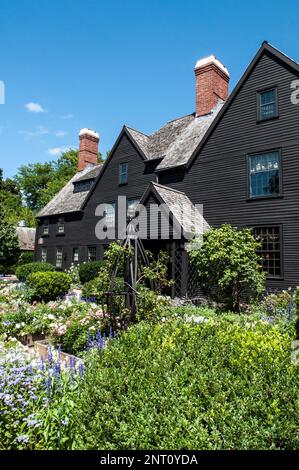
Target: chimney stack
{"points": [[88, 149], [212, 79]]}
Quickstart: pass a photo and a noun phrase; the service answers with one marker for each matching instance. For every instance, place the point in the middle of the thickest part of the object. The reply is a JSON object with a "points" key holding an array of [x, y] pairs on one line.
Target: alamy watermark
{"points": [[155, 221], [295, 92], [2, 92]]}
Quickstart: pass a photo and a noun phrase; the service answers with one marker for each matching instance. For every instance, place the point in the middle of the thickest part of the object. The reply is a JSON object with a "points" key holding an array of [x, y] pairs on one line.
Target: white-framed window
{"points": [[264, 174], [123, 173], [110, 214], [60, 225], [46, 227], [59, 257], [75, 255], [267, 102], [44, 254], [91, 253]]}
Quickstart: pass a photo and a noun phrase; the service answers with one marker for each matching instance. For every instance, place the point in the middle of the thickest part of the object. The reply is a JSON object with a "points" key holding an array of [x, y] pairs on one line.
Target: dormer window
{"points": [[60, 226], [123, 173], [81, 186], [46, 227], [267, 104]]}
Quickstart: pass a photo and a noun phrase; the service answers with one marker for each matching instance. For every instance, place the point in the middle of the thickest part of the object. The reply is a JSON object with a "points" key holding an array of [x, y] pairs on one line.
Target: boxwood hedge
{"points": [[175, 385]]}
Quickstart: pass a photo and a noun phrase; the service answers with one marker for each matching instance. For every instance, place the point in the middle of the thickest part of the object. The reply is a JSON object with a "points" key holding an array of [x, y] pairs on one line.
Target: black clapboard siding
{"points": [[80, 227], [217, 177]]}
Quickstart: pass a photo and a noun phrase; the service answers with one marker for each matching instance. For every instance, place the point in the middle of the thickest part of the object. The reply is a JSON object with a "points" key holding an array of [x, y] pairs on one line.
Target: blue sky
{"points": [[70, 64]]}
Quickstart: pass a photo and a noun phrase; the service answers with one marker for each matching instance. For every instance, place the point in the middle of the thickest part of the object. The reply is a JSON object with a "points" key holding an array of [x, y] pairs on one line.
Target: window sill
{"points": [[45, 235], [275, 278], [122, 184], [60, 234], [264, 198], [273, 118]]}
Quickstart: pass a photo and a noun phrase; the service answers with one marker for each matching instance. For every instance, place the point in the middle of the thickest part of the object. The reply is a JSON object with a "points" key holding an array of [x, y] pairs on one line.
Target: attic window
{"points": [[123, 173], [267, 104], [81, 186]]}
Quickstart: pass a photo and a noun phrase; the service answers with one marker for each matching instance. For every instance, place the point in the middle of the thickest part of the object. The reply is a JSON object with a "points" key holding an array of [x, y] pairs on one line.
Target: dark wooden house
{"points": [[236, 155]]}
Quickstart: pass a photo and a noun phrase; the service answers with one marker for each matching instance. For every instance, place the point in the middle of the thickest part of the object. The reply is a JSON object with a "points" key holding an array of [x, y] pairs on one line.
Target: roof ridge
{"points": [[181, 117], [281, 52], [136, 130]]}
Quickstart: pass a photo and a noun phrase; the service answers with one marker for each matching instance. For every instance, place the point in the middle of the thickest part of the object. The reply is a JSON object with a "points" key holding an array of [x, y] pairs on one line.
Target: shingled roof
{"points": [[66, 200], [184, 211], [176, 141]]}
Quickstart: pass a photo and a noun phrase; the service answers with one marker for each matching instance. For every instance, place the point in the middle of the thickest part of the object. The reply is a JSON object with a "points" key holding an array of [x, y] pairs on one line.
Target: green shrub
{"points": [[23, 271], [96, 289], [26, 257], [228, 266], [185, 386], [89, 271], [278, 304], [49, 285]]}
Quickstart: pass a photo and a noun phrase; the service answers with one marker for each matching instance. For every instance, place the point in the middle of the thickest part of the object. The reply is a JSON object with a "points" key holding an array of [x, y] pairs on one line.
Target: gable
{"points": [[237, 121]]}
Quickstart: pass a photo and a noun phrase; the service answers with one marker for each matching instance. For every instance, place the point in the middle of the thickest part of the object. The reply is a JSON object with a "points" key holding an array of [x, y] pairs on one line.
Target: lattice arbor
{"points": [[136, 258], [193, 289]]}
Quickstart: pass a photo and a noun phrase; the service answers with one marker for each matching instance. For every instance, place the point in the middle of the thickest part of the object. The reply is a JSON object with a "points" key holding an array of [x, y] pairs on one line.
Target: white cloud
{"points": [[37, 132], [34, 108], [55, 151], [67, 116], [60, 133]]}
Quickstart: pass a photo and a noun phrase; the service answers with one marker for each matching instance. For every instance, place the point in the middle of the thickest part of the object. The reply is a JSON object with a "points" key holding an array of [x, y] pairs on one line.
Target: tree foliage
{"points": [[40, 182], [12, 204], [228, 266], [9, 245]]}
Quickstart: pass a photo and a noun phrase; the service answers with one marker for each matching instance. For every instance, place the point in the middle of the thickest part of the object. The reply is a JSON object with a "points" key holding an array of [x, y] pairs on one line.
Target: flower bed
{"points": [[36, 398]]}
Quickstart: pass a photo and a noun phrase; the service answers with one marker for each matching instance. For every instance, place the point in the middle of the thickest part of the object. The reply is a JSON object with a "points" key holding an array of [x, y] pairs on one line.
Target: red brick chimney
{"points": [[212, 79], [88, 150]]}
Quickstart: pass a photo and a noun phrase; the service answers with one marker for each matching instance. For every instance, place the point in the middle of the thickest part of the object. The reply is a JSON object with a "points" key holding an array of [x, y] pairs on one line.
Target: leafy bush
{"points": [[24, 270], [296, 311], [228, 266], [89, 271], [96, 289], [73, 271], [26, 257], [49, 285], [75, 332], [185, 386], [278, 304], [150, 306]]}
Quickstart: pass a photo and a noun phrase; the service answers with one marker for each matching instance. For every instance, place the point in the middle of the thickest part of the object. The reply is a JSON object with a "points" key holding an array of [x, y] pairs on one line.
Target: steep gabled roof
{"points": [[184, 212], [67, 200], [265, 48]]}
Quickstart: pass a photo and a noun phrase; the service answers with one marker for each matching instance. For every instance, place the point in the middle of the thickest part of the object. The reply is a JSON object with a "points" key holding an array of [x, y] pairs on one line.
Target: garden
{"points": [[218, 375]]}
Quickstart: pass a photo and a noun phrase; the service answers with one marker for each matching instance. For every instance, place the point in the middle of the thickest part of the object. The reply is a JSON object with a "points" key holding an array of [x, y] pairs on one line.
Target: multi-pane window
{"points": [[75, 255], [264, 174], [60, 225], [59, 257], [110, 214], [267, 102], [123, 173], [270, 251], [46, 227], [132, 206], [44, 254], [81, 186], [92, 253]]}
